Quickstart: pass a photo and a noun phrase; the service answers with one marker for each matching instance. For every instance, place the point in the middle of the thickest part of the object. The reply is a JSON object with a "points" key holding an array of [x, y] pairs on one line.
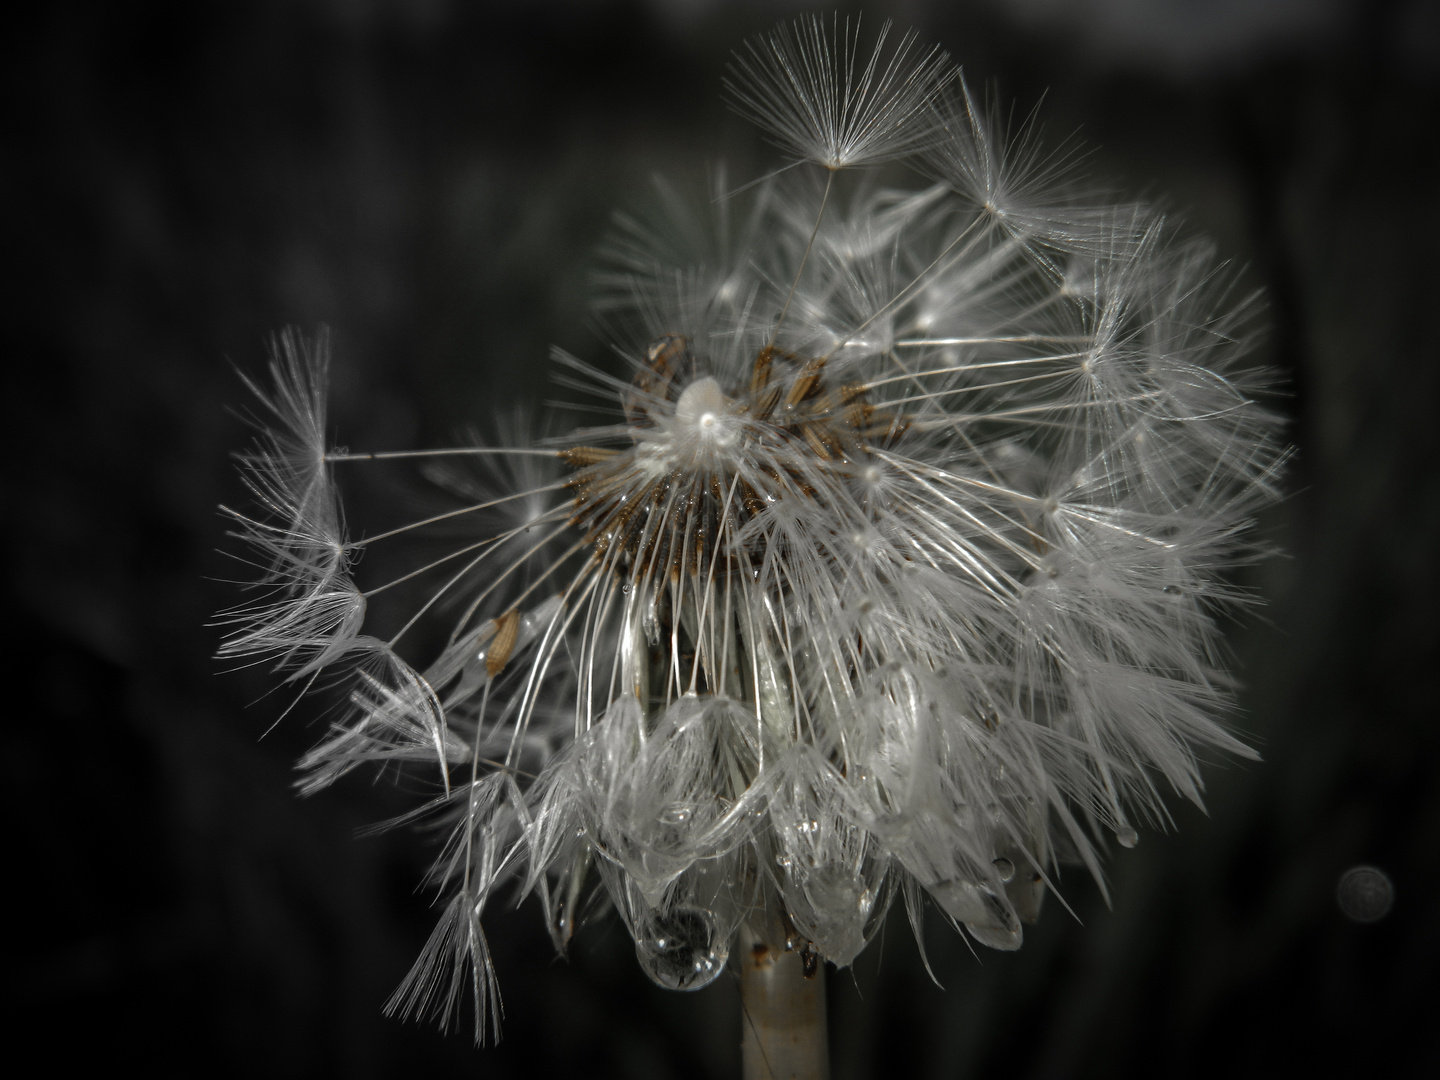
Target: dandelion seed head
{"points": [[895, 573]]}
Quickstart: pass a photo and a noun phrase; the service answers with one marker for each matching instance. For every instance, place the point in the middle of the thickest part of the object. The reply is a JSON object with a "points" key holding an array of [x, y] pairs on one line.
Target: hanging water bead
{"points": [[683, 949], [833, 909], [676, 814], [988, 916]]}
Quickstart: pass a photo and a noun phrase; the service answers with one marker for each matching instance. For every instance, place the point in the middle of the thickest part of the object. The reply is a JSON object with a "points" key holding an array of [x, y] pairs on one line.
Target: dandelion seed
{"points": [[896, 593], [819, 97]]}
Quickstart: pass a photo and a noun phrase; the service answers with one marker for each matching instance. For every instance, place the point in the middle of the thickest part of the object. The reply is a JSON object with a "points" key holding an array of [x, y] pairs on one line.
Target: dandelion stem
{"points": [[783, 1028]]}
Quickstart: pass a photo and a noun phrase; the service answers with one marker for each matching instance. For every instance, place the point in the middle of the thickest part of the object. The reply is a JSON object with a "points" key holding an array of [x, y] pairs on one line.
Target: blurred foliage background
{"points": [[180, 180]]}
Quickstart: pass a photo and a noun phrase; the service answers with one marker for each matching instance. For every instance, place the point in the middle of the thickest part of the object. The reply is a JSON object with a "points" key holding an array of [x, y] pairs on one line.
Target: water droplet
{"points": [[968, 902], [1365, 894], [831, 908], [1006, 939], [627, 588], [683, 949], [1126, 836], [807, 827], [1172, 590], [675, 814], [1005, 868], [784, 861]]}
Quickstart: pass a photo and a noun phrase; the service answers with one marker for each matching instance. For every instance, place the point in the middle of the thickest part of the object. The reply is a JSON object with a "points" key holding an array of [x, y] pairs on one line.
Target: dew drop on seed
{"points": [[1005, 869], [1365, 894], [970, 902], [1006, 939], [1126, 836], [626, 588], [783, 861], [675, 814], [1172, 590], [683, 949]]}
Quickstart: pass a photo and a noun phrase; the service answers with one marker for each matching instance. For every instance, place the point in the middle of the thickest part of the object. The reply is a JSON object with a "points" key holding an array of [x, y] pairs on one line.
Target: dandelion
{"points": [[895, 571]]}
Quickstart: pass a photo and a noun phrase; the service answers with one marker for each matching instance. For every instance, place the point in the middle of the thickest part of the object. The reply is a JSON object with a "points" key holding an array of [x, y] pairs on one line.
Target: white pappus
{"points": [[896, 572]]}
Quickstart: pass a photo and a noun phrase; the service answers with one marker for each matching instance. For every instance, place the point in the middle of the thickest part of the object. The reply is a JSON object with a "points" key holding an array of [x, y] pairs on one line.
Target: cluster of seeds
{"points": [[894, 575]]}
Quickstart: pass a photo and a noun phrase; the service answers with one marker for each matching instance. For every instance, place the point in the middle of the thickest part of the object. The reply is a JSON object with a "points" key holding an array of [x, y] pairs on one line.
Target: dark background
{"points": [[180, 180]]}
